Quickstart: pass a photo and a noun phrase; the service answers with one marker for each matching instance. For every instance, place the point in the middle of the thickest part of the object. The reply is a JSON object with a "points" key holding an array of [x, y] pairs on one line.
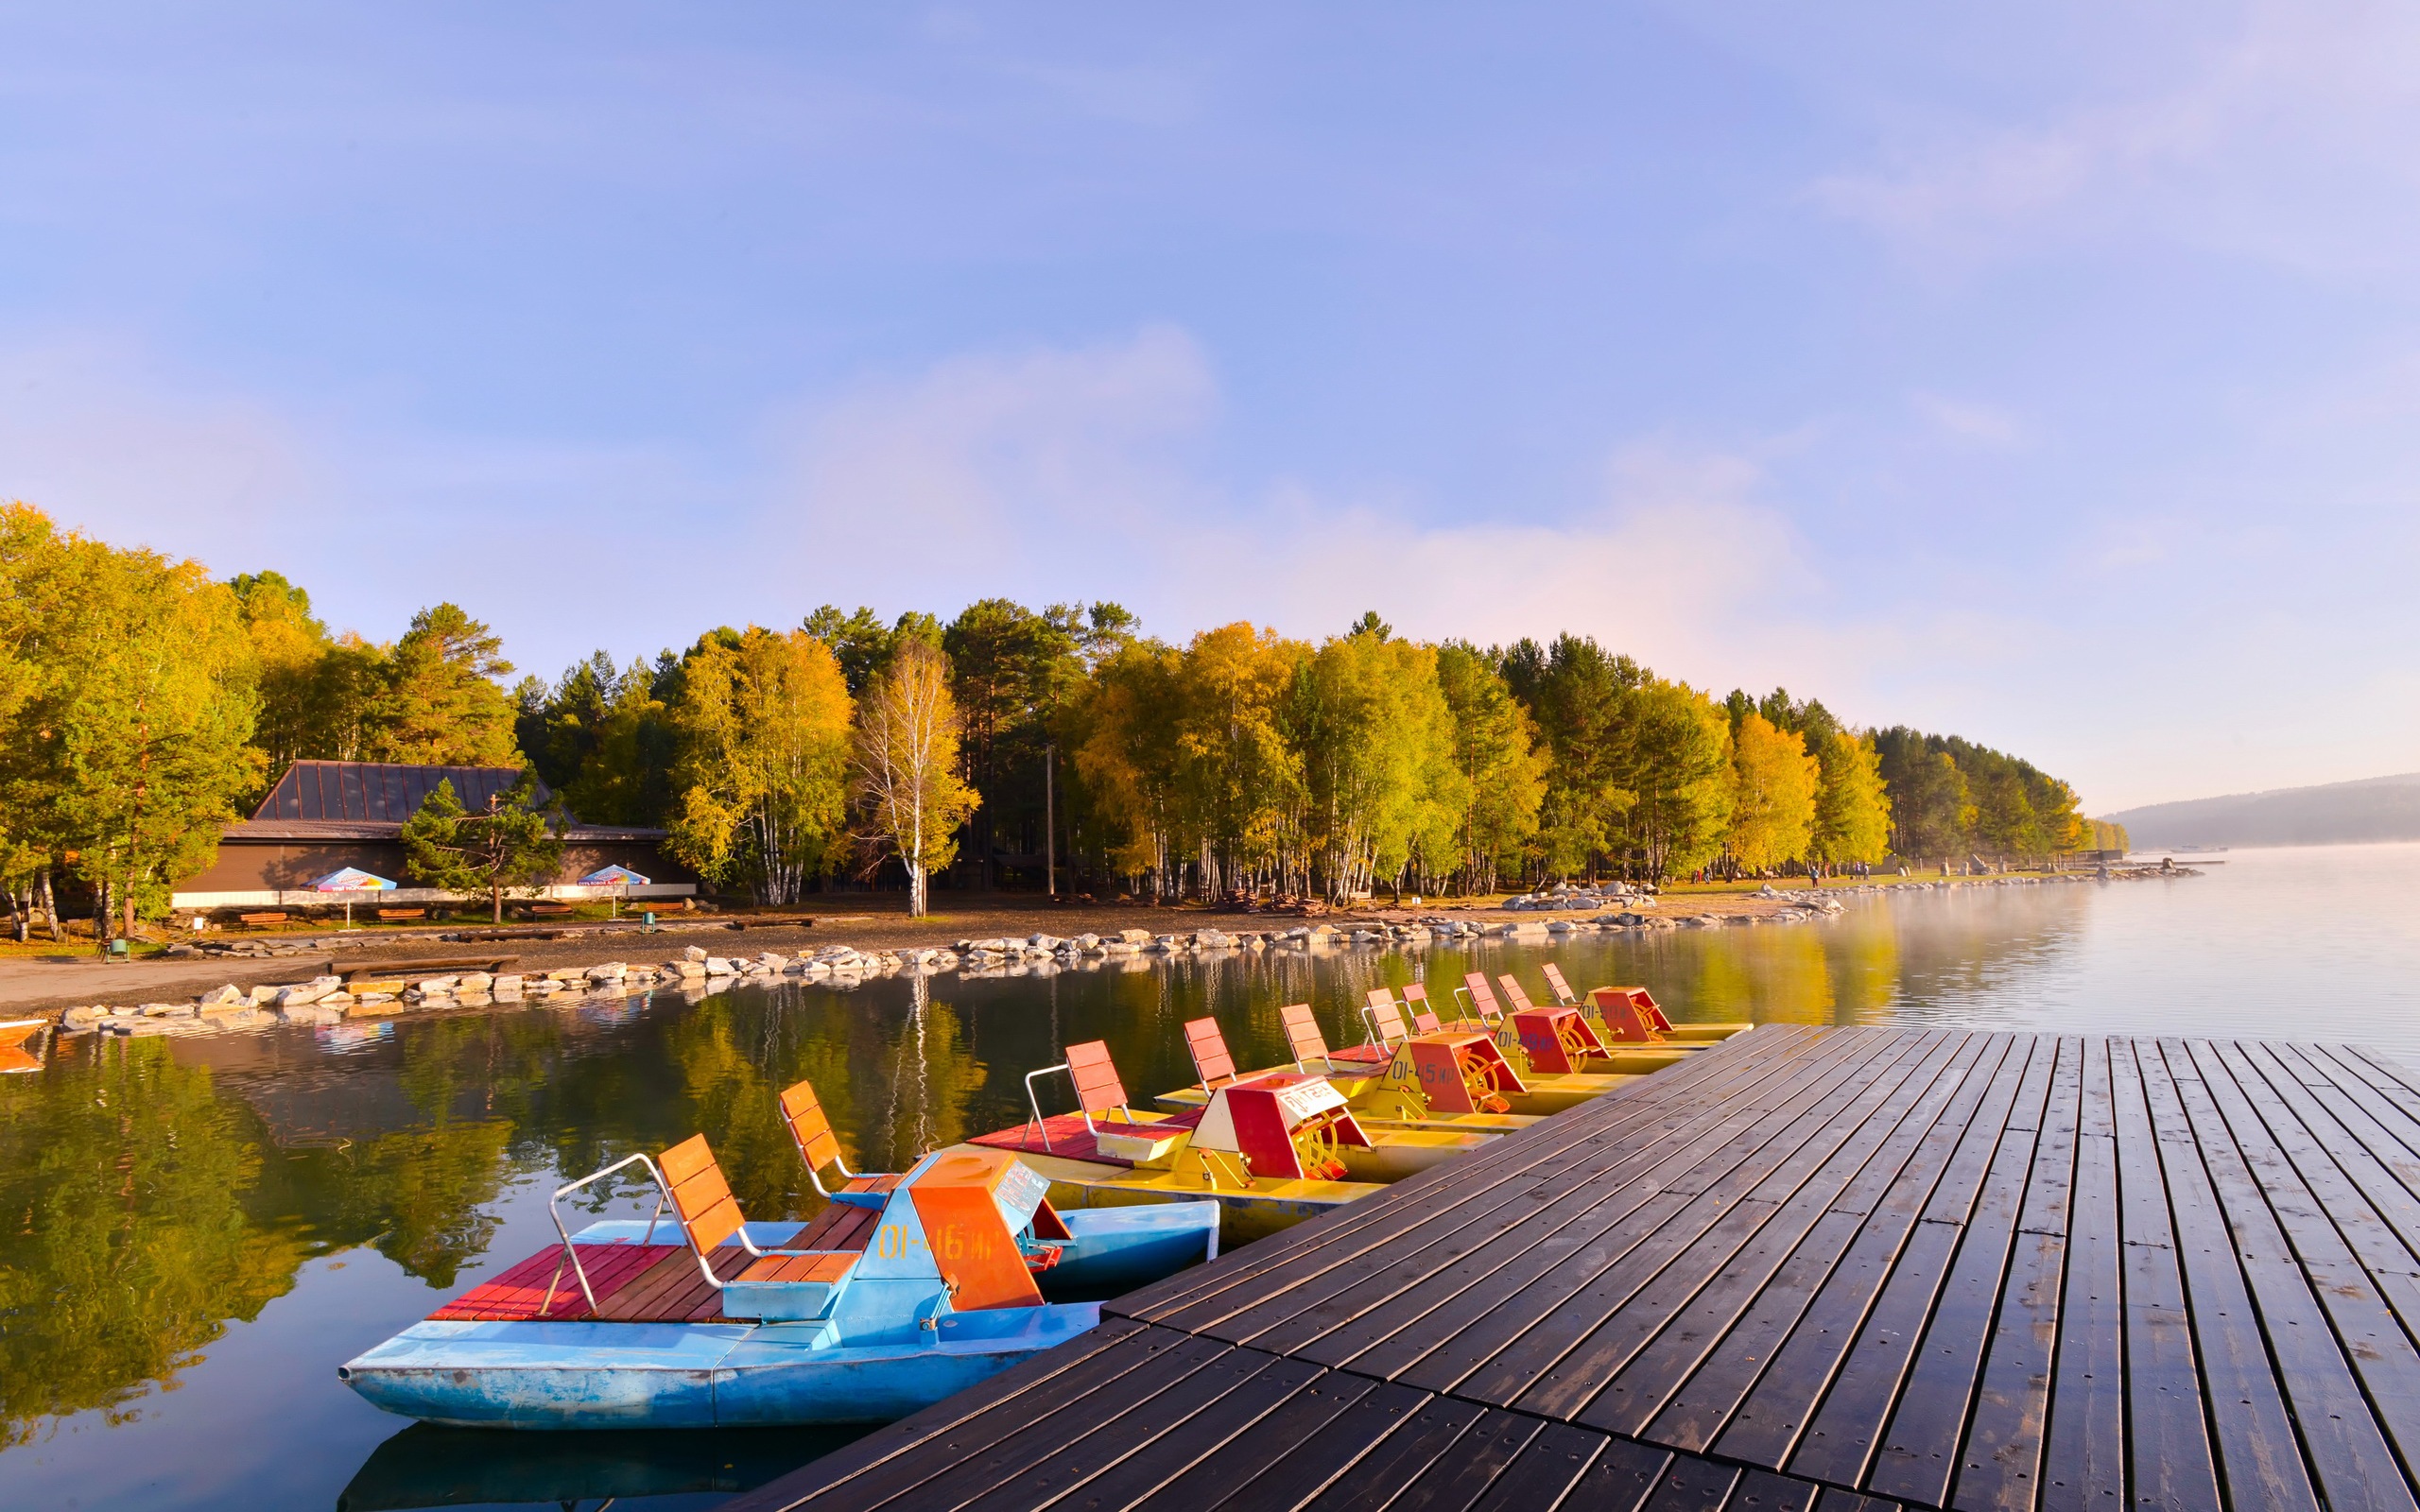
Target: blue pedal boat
{"points": [[904, 1289]]}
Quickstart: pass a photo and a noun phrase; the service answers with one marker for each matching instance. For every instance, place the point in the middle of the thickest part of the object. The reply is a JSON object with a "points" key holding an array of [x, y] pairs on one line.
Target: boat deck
{"points": [[642, 1283], [1806, 1271], [1066, 1136]]}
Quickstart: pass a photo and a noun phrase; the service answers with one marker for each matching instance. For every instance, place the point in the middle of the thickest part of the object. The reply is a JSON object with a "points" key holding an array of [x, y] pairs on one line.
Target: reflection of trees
{"points": [[124, 1244], [421, 1193]]}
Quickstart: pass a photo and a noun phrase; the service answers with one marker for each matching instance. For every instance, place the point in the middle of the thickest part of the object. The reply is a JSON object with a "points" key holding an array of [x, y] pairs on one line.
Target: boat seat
{"points": [[1482, 998], [819, 1146], [826, 1267], [1415, 999]]}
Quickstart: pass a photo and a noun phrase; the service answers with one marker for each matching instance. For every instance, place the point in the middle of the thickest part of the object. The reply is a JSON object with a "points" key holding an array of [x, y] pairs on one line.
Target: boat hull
{"points": [[692, 1375]]}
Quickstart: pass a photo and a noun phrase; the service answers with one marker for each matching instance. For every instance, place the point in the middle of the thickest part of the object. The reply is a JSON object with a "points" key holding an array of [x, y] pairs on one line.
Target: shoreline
{"points": [[250, 991]]}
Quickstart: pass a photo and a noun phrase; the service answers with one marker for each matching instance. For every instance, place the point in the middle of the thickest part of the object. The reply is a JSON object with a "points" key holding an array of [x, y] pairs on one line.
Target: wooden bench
{"points": [[546, 910], [367, 970], [403, 913], [260, 920]]}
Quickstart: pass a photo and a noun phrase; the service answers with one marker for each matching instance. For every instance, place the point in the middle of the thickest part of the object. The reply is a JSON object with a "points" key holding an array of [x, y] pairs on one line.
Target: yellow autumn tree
{"points": [[1773, 812], [1852, 807], [761, 786]]}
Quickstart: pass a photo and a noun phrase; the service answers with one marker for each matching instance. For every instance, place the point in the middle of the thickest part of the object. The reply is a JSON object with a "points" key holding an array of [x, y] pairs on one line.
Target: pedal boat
{"points": [[1652, 1025], [1548, 1051], [1431, 1083], [21, 1044], [884, 1304], [1269, 1151]]}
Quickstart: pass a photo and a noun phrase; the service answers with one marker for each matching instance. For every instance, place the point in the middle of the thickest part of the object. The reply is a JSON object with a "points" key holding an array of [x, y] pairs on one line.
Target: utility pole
{"points": [[1049, 820]]}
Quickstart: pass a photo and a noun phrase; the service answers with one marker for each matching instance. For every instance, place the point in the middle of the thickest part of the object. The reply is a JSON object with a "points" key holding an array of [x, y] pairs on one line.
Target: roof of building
{"points": [[380, 792], [370, 801]]}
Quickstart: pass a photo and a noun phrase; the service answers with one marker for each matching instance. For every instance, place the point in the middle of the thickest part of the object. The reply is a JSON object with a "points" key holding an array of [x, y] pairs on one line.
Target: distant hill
{"points": [[2376, 808]]}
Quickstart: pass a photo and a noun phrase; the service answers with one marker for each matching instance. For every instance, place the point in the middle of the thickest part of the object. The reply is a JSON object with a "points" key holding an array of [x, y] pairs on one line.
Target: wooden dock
{"points": [[1808, 1271]]}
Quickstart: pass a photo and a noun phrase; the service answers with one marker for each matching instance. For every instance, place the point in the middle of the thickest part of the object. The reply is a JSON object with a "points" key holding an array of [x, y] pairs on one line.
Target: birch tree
{"points": [[907, 765]]}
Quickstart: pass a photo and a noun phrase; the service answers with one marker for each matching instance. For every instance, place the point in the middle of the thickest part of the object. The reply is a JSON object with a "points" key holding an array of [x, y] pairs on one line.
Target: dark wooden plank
{"points": [[2001, 1465], [2302, 1260], [1272, 1438], [1444, 1255], [1522, 1341], [1764, 1491], [1557, 1142], [1550, 1466], [1457, 1478], [1760, 1293], [2351, 1140], [2174, 1462], [1621, 1479], [2374, 1121], [944, 1428], [1914, 1152], [1308, 1468], [1524, 1338], [1403, 1457], [1436, 1336], [2260, 1460], [2084, 1461], [1839, 1443], [1207, 1432], [1693, 1485], [1138, 1426], [1043, 1438], [1768, 1424], [1370, 1303], [1917, 1456]]}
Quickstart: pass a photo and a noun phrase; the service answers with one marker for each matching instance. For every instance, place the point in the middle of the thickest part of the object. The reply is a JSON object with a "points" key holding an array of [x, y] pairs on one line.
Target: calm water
{"points": [[194, 1234]]}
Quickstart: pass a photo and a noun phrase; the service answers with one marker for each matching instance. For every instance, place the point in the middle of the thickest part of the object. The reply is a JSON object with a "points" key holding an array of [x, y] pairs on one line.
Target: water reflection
{"points": [[239, 1215]]}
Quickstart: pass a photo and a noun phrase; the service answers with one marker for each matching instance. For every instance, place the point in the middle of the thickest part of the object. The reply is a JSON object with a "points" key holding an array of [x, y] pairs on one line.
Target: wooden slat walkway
{"points": [[1810, 1269]]}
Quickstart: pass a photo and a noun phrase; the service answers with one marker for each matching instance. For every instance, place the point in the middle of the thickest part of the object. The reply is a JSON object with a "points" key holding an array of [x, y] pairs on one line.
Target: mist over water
{"points": [[198, 1232]]}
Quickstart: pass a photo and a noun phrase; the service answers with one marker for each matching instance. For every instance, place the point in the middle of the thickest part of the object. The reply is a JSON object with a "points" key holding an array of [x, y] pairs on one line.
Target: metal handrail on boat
{"points": [[1034, 1100], [571, 1251]]}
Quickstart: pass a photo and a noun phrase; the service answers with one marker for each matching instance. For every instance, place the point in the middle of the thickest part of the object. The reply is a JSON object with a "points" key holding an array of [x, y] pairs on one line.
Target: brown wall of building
{"points": [[252, 866]]}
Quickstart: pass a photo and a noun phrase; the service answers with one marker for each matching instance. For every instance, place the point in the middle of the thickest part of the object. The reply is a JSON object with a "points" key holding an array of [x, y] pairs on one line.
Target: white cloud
{"points": [[2291, 143]]}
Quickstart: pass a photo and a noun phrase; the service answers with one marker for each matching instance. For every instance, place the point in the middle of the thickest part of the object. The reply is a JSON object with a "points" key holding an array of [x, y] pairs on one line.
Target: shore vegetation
{"points": [[144, 704]]}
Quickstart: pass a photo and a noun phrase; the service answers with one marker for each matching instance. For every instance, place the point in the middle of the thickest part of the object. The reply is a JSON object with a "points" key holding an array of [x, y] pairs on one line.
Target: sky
{"points": [[2047, 374]]}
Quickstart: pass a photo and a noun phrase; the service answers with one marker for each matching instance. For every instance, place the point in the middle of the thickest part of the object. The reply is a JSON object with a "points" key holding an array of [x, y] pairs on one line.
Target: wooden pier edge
{"points": [[1812, 1270]]}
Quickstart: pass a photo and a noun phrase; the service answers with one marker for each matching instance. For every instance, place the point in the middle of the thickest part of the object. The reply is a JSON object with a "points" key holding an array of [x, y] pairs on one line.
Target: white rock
{"points": [[694, 952], [434, 985], [1135, 937], [716, 966], [474, 982], [222, 996]]}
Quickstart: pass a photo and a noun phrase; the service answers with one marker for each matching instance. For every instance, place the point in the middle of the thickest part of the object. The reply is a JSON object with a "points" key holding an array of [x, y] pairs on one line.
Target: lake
{"points": [[194, 1233]]}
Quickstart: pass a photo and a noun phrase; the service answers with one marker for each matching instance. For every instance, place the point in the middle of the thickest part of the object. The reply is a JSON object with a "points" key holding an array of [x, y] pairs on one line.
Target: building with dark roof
{"points": [[322, 816]]}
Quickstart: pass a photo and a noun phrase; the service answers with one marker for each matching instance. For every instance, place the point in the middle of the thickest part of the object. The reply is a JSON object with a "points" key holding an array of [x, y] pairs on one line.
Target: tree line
{"points": [[142, 704]]}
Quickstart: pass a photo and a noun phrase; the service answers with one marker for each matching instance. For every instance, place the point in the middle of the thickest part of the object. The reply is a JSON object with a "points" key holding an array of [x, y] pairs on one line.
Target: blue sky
{"points": [[2046, 374]]}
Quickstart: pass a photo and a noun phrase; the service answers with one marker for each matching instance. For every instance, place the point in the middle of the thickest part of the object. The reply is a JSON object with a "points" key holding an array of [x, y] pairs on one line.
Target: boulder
{"points": [[694, 954], [507, 985], [1135, 937], [83, 1017], [167, 1010], [474, 982], [610, 972], [222, 997], [1212, 939], [436, 986], [716, 966]]}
